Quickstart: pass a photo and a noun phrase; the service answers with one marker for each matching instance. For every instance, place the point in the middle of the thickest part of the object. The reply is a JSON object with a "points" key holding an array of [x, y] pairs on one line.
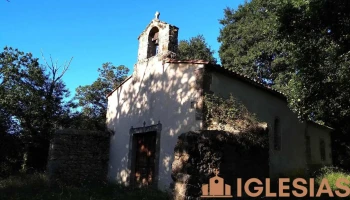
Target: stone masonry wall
{"points": [[198, 154], [78, 156], [168, 39]]}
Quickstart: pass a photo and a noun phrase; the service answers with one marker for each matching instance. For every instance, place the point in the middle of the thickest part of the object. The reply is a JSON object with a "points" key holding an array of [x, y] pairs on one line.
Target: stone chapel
{"points": [[163, 99]]}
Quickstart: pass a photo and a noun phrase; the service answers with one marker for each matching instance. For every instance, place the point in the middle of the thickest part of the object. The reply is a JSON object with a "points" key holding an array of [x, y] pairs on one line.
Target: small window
{"points": [[277, 135], [308, 148], [323, 150]]}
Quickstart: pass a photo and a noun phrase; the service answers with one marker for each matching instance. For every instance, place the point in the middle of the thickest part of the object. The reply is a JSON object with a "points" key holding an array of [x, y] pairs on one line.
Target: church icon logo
{"points": [[216, 188]]}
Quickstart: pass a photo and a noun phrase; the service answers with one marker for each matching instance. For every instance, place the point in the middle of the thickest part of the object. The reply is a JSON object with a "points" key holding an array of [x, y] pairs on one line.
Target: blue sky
{"points": [[98, 31]]}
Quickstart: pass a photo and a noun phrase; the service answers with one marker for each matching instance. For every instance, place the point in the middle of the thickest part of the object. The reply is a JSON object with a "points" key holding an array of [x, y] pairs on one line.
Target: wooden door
{"points": [[145, 158]]}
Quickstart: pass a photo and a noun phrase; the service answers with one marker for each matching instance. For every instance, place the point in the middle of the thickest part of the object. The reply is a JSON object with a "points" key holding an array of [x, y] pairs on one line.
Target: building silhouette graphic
{"points": [[216, 188]]}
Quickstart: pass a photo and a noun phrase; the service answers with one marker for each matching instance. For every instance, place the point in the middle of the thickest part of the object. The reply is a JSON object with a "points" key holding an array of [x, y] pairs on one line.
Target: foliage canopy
{"points": [[196, 48]]}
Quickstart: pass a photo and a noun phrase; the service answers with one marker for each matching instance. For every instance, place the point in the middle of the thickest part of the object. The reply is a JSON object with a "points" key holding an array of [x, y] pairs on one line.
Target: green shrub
{"points": [[227, 111], [332, 174], [30, 187], [11, 154], [24, 180]]}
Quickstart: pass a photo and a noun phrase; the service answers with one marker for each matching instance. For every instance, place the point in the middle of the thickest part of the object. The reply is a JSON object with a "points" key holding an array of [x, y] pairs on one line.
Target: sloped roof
{"points": [[237, 75], [320, 125], [247, 79], [109, 94]]}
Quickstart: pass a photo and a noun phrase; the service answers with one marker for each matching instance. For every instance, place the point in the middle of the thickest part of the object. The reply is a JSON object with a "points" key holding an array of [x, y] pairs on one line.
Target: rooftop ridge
{"points": [[239, 75]]}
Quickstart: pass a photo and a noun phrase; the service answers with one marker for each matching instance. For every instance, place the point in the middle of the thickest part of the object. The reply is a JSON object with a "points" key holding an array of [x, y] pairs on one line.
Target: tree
{"points": [[195, 48], [32, 98], [250, 42], [92, 98], [320, 90], [11, 147]]}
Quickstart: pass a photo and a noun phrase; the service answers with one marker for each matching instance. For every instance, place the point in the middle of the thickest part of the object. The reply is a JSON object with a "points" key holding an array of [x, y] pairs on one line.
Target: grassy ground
{"points": [[36, 187]]}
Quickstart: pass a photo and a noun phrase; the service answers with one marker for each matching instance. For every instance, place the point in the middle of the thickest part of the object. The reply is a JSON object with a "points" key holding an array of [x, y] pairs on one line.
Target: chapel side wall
{"points": [[317, 133], [157, 92], [291, 159]]}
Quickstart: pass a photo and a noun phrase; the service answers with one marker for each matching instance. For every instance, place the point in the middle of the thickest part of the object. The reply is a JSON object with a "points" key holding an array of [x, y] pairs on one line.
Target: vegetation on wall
{"points": [[198, 154], [227, 111]]}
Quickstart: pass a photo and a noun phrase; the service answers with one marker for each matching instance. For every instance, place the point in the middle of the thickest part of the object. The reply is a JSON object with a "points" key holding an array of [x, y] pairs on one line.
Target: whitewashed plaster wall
{"points": [[157, 92]]}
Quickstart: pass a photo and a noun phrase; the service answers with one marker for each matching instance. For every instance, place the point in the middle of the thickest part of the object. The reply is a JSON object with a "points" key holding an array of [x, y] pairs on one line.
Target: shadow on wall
{"points": [[162, 94]]}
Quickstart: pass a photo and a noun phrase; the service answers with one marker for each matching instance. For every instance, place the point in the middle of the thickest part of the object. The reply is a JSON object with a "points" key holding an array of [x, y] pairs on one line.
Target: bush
{"points": [[11, 154], [331, 174], [36, 186]]}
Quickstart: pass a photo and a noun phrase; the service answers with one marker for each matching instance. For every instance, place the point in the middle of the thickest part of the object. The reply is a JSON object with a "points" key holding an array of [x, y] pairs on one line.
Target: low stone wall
{"points": [[197, 154], [78, 156]]}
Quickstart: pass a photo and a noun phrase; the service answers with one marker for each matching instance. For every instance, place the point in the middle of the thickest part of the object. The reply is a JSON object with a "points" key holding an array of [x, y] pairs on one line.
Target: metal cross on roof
{"points": [[157, 15], [216, 171]]}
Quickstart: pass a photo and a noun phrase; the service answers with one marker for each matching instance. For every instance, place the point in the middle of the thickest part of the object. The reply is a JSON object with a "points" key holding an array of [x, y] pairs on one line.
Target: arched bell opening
{"points": [[153, 42]]}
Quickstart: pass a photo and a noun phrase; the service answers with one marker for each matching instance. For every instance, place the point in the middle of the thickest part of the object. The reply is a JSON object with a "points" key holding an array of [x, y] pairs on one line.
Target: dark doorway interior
{"points": [[144, 158]]}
